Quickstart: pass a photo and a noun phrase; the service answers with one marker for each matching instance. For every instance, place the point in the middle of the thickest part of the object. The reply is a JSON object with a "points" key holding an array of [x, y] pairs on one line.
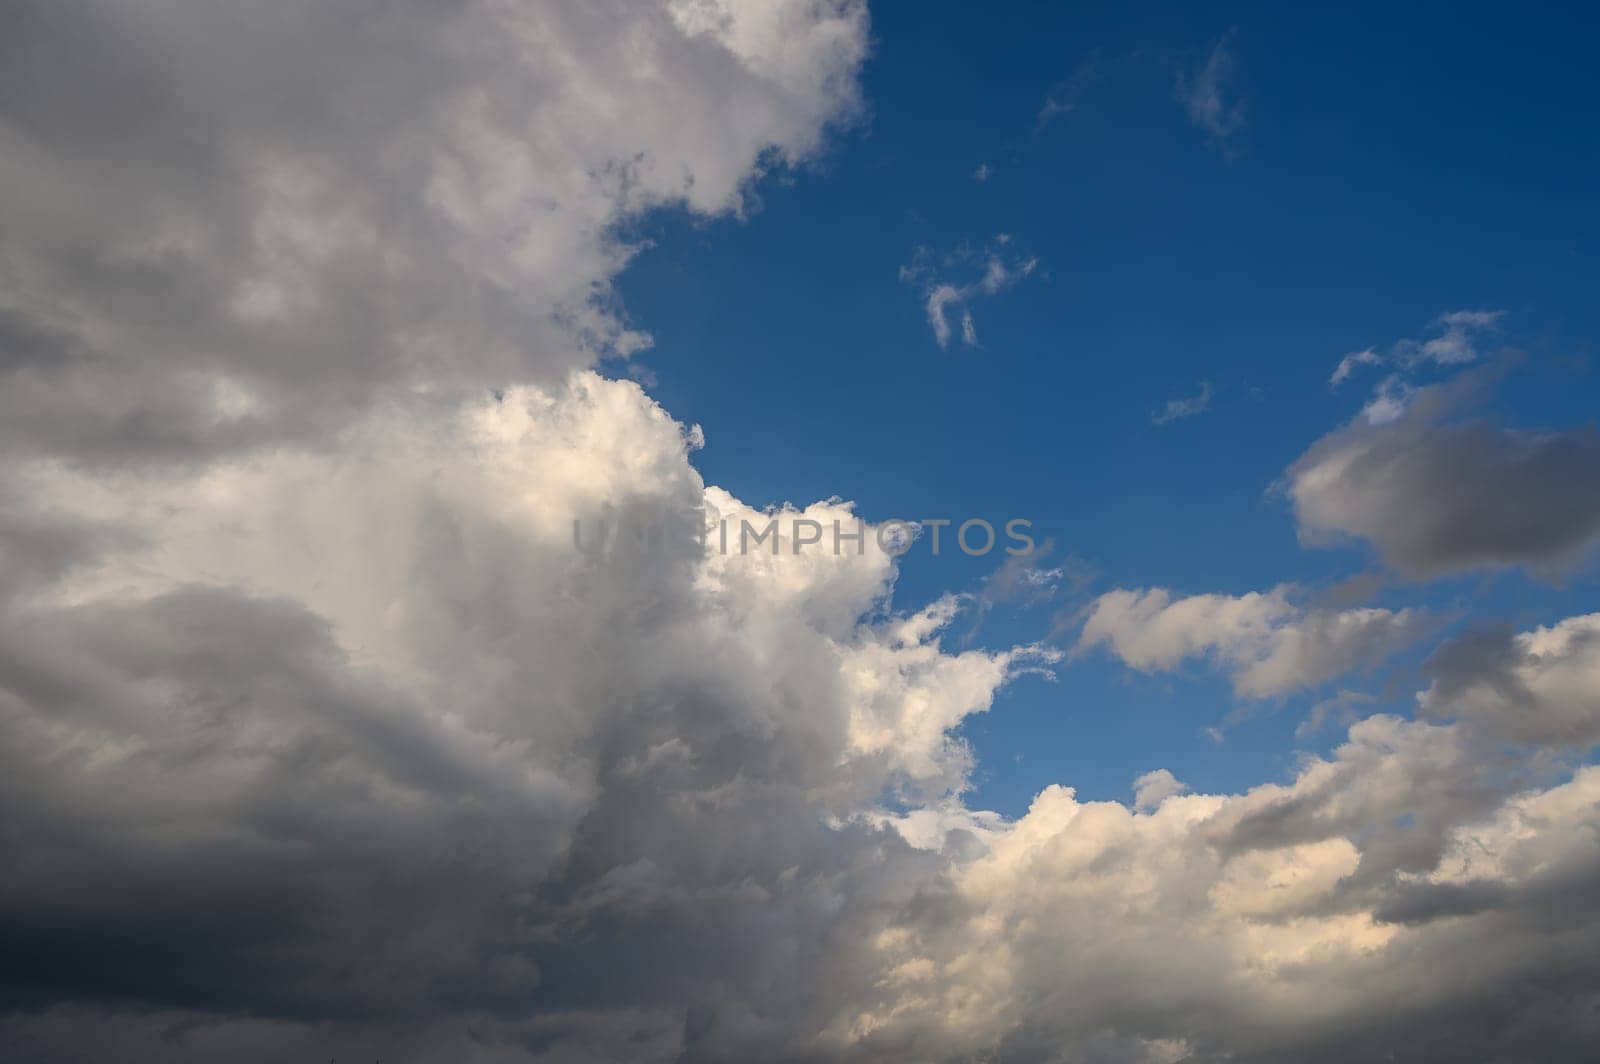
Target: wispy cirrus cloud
{"points": [[948, 301], [1208, 96], [1184, 407], [1453, 338], [1066, 96], [1352, 362], [1456, 340]]}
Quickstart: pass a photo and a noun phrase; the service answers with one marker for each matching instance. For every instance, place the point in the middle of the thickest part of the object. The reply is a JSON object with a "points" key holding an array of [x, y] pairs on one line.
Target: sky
{"points": [[1364, 188], [344, 350]]}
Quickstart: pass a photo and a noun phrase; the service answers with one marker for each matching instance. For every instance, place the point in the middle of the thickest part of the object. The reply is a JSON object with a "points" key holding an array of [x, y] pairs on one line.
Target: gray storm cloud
{"points": [[1436, 490]]}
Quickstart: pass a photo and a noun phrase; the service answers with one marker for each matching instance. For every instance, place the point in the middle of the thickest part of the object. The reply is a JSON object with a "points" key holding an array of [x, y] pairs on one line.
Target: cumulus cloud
{"points": [[324, 736], [1539, 686], [357, 752], [1304, 921], [997, 270], [337, 791], [1268, 644], [1437, 490], [1153, 788], [232, 223], [1207, 94]]}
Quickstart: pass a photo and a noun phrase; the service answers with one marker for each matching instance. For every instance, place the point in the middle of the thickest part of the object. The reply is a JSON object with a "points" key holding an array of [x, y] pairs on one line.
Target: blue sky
{"points": [[1387, 165]]}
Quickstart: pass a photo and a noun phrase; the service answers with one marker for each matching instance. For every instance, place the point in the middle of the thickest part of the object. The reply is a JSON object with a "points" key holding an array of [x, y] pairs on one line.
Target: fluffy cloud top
{"points": [[1540, 686], [357, 752], [228, 223], [365, 734], [1308, 921]]}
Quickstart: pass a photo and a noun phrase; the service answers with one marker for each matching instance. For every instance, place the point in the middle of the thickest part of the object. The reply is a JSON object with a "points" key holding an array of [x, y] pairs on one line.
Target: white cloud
{"points": [[311, 672], [1540, 686], [1178, 409], [1208, 96], [1153, 788], [1349, 363], [1269, 645], [1389, 400], [1456, 339], [1305, 921], [1458, 334], [969, 329], [289, 212], [941, 298]]}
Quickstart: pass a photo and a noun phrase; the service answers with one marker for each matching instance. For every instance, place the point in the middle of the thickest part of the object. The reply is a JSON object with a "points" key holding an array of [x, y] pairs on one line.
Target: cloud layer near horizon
{"points": [[322, 738], [348, 750]]}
